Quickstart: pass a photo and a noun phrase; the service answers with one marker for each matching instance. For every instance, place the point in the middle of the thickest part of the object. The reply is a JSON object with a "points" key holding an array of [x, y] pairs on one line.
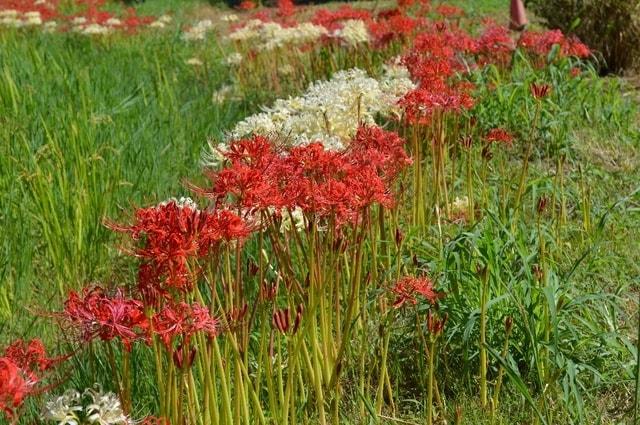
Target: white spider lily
{"points": [[63, 409], [104, 409]]}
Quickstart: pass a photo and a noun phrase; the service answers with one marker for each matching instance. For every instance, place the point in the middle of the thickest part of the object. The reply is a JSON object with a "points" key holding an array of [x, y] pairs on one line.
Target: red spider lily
{"points": [[575, 72], [499, 135], [172, 234], [429, 71], [131, 21], [246, 186], [264, 15], [182, 320], [13, 387], [247, 5], [420, 104], [541, 44], [407, 288], [98, 315], [30, 356], [331, 184], [248, 182], [444, 42], [331, 19], [578, 49], [382, 149], [21, 370], [386, 29], [540, 91], [405, 4], [286, 8], [436, 54], [367, 188], [449, 11], [495, 46]]}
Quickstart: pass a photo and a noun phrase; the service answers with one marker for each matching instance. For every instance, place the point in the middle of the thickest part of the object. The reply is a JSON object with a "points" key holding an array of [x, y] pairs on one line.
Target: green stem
{"points": [[484, 295]]}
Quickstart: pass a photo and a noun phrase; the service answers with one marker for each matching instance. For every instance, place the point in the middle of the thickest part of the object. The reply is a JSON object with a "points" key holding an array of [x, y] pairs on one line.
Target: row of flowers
{"points": [[86, 17]]}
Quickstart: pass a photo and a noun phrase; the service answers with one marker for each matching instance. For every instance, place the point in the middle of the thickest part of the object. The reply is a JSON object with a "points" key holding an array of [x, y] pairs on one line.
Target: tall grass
{"points": [[91, 127]]}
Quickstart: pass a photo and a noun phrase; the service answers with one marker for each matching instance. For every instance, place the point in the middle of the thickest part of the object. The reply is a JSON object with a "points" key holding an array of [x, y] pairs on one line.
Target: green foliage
{"points": [[611, 27]]}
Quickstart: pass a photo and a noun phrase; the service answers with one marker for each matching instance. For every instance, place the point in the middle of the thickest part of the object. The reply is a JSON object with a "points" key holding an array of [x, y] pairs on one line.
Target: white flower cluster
{"points": [[267, 36], [13, 18], [329, 111], [183, 202], [292, 220], [353, 33], [230, 17], [271, 35], [92, 407], [82, 26], [233, 59], [198, 31], [161, 22]]}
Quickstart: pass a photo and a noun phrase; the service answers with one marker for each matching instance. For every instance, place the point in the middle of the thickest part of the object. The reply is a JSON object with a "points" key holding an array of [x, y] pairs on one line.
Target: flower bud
{"points": [[399, 237], [542, 204], [508, 324]]}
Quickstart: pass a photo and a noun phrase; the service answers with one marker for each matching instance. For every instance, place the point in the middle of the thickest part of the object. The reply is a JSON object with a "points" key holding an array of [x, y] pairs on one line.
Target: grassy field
{"points": [[91, 128]]}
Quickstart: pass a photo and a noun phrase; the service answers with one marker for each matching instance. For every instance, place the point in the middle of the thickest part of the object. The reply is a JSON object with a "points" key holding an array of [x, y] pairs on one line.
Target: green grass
{"points": [[90, 128]]}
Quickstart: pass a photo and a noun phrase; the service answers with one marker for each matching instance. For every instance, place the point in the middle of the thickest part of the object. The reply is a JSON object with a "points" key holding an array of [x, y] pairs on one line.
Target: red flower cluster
{"points": [[449, 11], [21, 369], [499, 135], [420, 104], [433, 62], [391, 25], [286, 8], [99, 315], [95, 14], [335, 186], [495, 46], [115, 317], [171, 235], [182, 320], [407, 288], [13, 387], [332, 19], [541, 43], [247, 5], [442, 52]]}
